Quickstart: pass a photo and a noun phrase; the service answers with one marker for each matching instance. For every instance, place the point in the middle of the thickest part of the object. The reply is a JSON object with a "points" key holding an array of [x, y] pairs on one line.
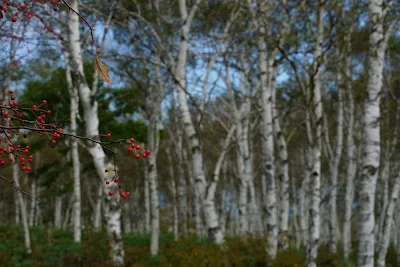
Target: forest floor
{"points": [[53, 247]]}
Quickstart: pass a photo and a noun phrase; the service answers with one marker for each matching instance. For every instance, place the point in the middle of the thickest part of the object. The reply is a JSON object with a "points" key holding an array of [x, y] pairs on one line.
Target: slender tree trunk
{"points": [[175, 213], [17, 209], [213, 227], [154, 138], [112, 209], [267, 70], [75, 166], [371, 138], [182, 187], [351, 167], [97, 211], [33, 202], [283, 176], [57, 212], [127, 218], [21, 202], [315, 177], [147, 202], [334, 169], [387, 225]]}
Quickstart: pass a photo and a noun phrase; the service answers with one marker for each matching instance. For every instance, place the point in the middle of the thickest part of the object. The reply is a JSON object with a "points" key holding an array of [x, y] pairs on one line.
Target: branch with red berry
{"points": [[14, 119]]}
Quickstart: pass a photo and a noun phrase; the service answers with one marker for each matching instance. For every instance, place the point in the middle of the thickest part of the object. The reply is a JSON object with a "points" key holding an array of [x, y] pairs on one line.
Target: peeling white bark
{"points": [[214, 229], [21, 202], [387, 225], [371, 138], [112, 209], [315, 175], [334, 169]]}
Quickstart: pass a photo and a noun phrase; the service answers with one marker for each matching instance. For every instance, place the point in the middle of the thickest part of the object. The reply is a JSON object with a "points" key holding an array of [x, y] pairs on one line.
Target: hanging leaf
{"points": [[102, 70]]}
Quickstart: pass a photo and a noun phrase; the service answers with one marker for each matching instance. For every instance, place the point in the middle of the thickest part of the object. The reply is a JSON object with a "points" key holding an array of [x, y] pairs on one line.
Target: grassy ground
{"points": [[55, 248]]}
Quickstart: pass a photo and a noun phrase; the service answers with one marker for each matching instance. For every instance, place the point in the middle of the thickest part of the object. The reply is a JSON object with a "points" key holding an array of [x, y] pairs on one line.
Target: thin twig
{"points": [[16, 187]]}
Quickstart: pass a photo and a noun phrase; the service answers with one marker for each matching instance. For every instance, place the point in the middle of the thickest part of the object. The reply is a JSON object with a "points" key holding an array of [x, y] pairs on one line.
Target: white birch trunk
{"points": [[387, 225], [384, 181], [21, 202], [283, 176], [213, 227], [16, 208], [315, 176], [146, 202], [267, 72], [175, 213], [57, 212], [126, 218], [153, 139], [97, 211], [112, 209], [351, 167], [74, 111], [211, 216], [371, 138], [182, 187], [242, 141], [334, 169], [32, 207]]}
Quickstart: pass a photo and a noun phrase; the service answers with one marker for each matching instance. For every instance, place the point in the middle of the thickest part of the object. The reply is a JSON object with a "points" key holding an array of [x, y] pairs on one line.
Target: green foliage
{"points": [[51, 247]]}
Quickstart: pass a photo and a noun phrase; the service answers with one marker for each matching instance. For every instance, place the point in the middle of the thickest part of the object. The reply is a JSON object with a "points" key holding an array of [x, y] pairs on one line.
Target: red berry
{"points": [[107, 182], [48, 112], [14, 19], [34, 107], [25, 135], [147, 152], [137, 156], [10, 159], [23, 168], [132, 140], [5, 114], [10, 92], [108, 135], [116, 180], [137, 147], [44, 102], [144, 155], [110, 193], [130, 150], [26, 151], [53, 142], [27, 147], [128, 194], [28, 169]]}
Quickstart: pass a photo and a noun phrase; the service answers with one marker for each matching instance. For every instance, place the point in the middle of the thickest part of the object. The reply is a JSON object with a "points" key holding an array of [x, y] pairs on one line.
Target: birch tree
{"points": [[315, 176], [378, 38], [112, 210]]}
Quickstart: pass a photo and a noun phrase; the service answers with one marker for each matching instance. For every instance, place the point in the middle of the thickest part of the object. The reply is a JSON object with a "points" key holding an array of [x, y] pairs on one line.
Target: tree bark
{"points": [[371, 138], [387, 224], [214, 229], [112, 209], [21, 202]]}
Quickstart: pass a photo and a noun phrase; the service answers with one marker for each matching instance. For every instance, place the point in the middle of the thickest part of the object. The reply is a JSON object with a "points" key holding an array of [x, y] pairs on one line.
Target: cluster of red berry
{"points": [[13, 119], [16, 8], [139, 151], [10, 111], [122, 193]]}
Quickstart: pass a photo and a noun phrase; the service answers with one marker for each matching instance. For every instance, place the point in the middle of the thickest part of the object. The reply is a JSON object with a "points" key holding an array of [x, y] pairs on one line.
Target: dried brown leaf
{"points": [[102, 70]]}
